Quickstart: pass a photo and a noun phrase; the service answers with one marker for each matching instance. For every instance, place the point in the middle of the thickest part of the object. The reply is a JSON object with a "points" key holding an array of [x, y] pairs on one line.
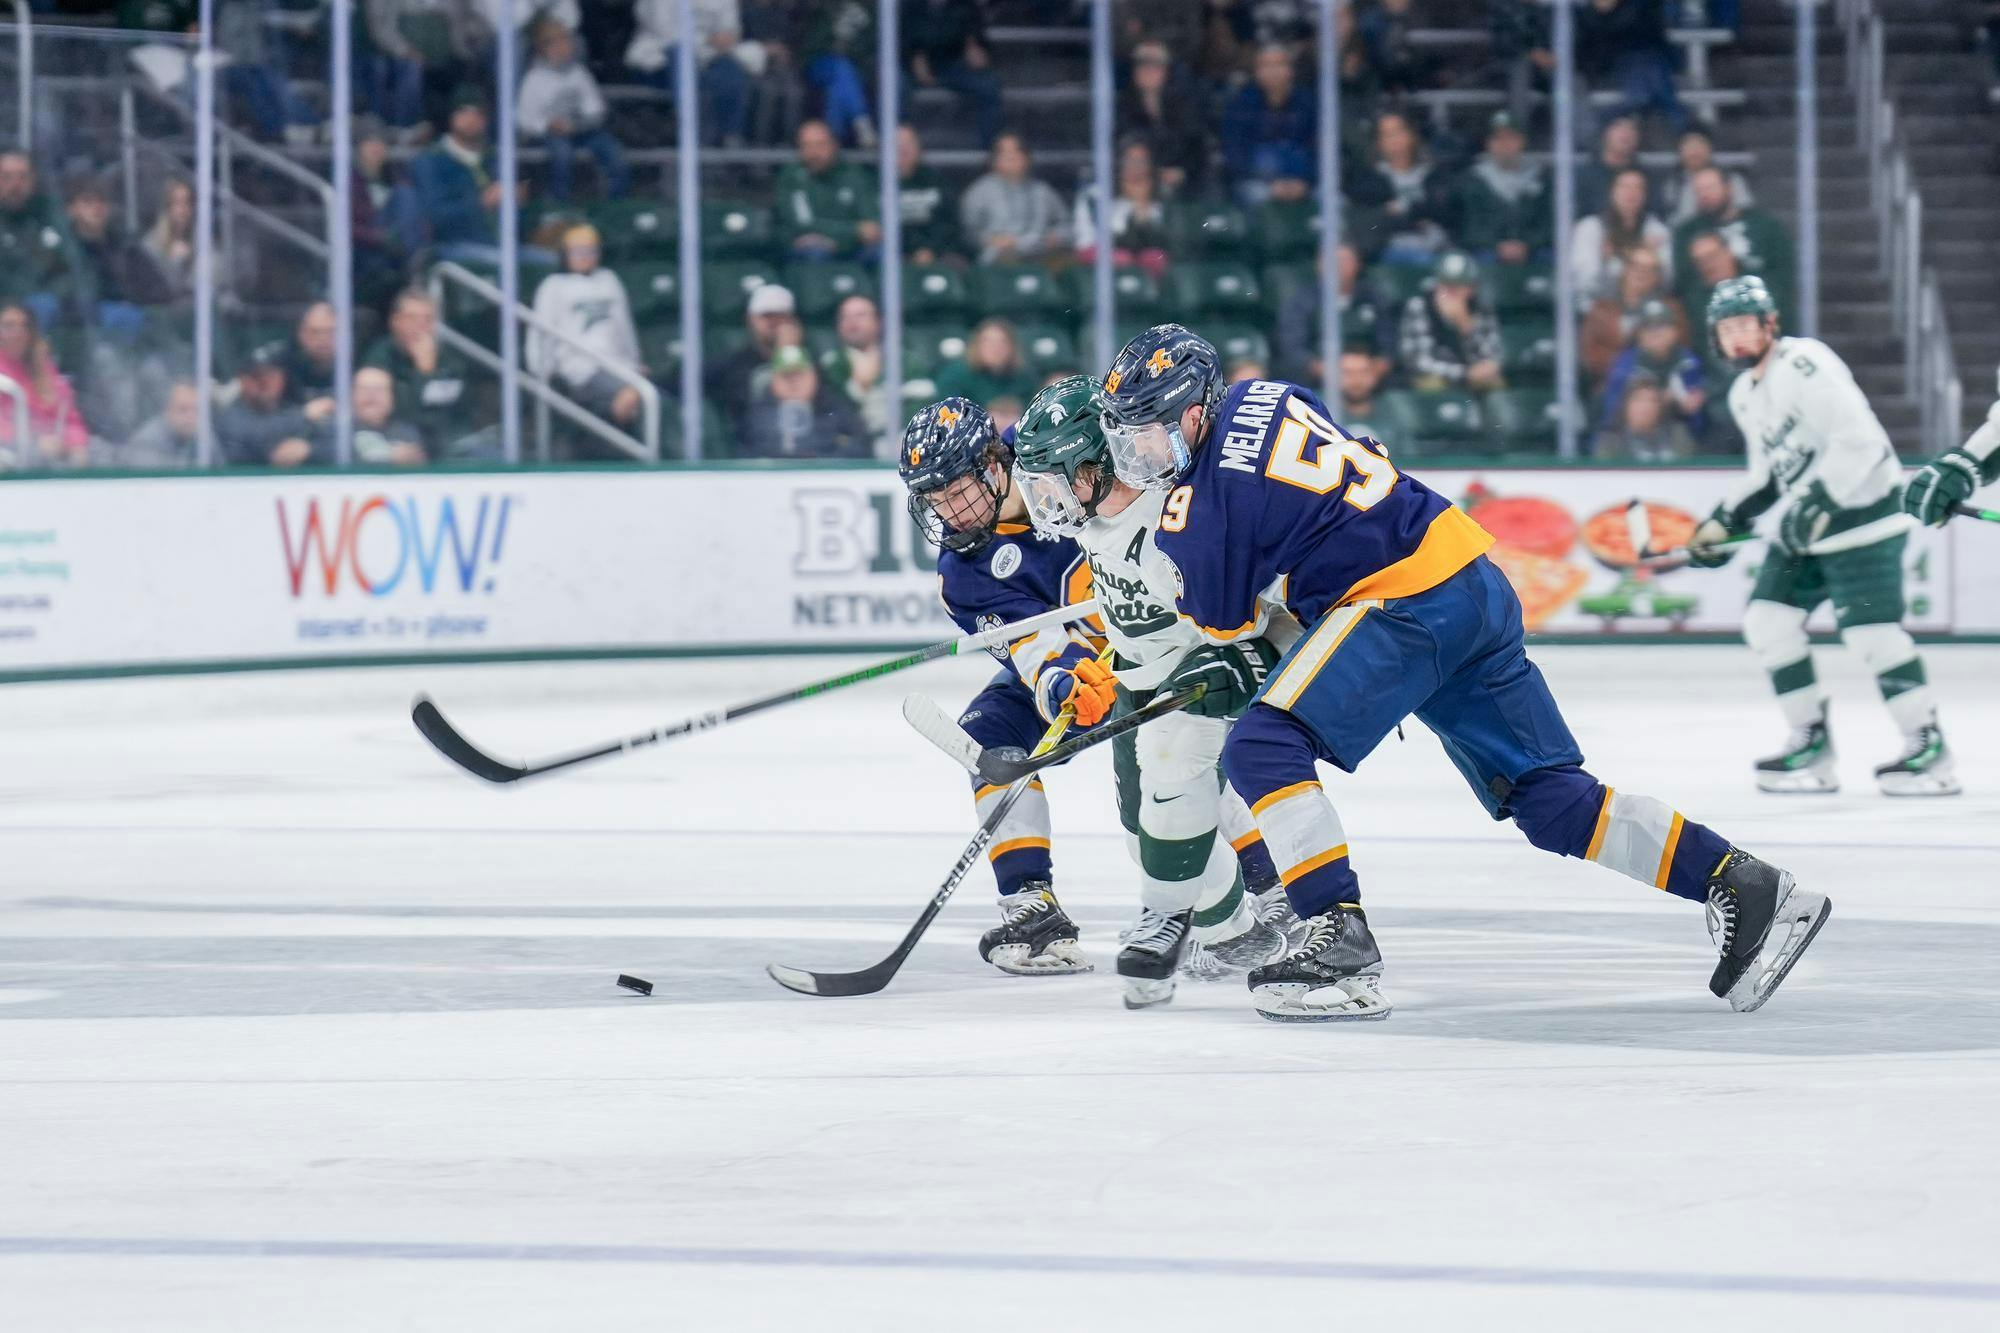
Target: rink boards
{"points": [[103, 575]]}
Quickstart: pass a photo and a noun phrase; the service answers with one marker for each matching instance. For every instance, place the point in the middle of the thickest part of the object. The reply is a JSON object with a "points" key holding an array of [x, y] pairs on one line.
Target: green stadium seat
{"points": [[1394, 420], [1136, 295], [654, 290], [928, 346], [1399, 282], [1521, 288], [1528, 351], [1278, 280], [1018, 289], [726, 288], [820, 288], [637, 230], [736, 229], [1216, 289], [1522, 416], [1287, 232], [1197, 229], [1238, 342], [933, 291], [1048, 348], [1436, 422]]}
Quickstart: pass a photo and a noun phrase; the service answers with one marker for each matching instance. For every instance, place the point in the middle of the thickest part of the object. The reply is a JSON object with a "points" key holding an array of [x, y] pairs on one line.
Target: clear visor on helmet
{"points": [[1148, 456], [1052, 504]]}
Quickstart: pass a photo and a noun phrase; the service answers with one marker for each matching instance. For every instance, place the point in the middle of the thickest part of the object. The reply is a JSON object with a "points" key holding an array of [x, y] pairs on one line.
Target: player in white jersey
{"points": [[1949, 480], [1184, 825], [1818, 453]]}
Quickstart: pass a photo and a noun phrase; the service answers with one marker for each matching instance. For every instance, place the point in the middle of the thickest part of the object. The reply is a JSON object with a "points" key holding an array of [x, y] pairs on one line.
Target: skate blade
{"points": [[1288, 1002], [1804, 782], [1061, 959], [1144, 993], [1801, 914], [1932, 783]]}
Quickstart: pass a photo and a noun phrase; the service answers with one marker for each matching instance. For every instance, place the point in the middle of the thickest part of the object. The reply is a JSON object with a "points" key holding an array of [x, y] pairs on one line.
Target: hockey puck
{"points": [[638, 984]]}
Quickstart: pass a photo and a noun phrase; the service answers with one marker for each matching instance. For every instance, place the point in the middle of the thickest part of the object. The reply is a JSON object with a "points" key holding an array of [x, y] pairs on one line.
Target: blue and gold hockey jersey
{"points": [[1014, 576], [1281, 504]]}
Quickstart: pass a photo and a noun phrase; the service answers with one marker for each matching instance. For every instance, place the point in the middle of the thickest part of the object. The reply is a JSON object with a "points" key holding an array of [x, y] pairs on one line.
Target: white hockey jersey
{"points": [[1135, 586], [1806, 421]]}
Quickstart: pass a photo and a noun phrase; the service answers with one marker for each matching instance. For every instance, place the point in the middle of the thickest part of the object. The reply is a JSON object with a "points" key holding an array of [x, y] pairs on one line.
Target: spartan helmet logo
{"points": [[1056, 415], [1158, 362], [948, 416]]}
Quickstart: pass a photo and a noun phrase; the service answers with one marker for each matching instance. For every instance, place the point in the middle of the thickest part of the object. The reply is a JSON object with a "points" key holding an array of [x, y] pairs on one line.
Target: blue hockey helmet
{"points": [[955, 467], [1153, 380]]}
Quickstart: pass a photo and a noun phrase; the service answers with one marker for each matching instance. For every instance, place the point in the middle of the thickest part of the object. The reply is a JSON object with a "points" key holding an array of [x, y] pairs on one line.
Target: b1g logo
{"points": [[847, 532], [376, 543]]}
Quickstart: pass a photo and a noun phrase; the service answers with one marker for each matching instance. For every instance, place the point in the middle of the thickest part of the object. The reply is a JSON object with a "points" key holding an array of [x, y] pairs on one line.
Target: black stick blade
{"points": [[444, 738], [865, 982]]}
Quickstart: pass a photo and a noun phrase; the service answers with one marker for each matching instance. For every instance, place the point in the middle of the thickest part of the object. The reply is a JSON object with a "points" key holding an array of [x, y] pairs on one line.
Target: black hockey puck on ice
{"points": [[639, 984]]}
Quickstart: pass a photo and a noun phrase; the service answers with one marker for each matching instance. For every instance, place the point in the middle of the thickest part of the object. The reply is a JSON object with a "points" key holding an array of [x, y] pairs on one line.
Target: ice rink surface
{"points": [[302, 1029]]}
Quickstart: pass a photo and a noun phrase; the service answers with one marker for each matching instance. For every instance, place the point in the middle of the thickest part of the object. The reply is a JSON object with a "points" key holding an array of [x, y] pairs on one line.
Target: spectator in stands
{"points": [[991, 368], [38, 263], [431, 381], [1502, 206], [1005, 411], [724, 77], [119, 279], [388, 223], [308, 356], [1710, 262], [252, 72], [1759, 241], [169, 440], [1643, 431], [381, 438], [1173, 25], [1268, 134], [259, 429], [562, 107], [1624, 43], [586, 303], [57, 433], [853, 365], [1613, 319], [170, 240], [1599, 242], [1138, 220], [839, 43], [1362, 320], [928, 205], [1361, 374], [421, 51], [1398, 62], [456, 187], [1521, 51], [794, 415], [1167, 118], [1697, 151], [771, 311], [827, 209], [944, 45], [1414, 190], [1450, 338], [1660, 352], [1245, 368], [1617, 150], [1008, 214]]}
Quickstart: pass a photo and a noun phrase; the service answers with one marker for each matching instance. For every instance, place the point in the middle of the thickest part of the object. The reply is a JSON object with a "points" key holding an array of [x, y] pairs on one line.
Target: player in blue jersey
{"points": [[1267, 499], [993, 570]]}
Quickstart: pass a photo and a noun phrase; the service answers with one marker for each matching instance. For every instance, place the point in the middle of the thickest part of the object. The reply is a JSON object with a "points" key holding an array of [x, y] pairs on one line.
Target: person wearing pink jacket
{"points": [[56, 429]]}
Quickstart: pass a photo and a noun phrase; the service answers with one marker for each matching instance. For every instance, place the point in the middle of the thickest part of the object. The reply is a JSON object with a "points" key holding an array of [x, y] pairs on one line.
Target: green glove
{"points": [[1233, 672], [1705, 549], [1945, 481], [1807, 520]]}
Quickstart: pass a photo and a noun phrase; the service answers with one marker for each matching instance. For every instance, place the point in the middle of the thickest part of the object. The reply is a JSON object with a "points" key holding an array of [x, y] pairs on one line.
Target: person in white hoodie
{"points": [[561, 105], [587, 303]]}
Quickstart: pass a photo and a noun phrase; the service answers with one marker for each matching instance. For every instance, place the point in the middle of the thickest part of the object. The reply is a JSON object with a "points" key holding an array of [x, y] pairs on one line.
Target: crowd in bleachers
{"points": [[1447, 317]]}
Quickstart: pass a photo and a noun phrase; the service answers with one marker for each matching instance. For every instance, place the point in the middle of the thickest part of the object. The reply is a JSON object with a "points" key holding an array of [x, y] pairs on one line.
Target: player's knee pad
{"points": [[1180, 747], [1557, 808], [1776, 633], [1268, 749], [1882, 647]]}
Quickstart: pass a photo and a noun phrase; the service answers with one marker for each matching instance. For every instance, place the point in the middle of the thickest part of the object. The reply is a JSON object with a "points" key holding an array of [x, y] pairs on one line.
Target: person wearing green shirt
{"points": [[1502, 202], [1759, 241], [38, 259], [433, 384], [826, 208], [991, 367], [928, 204]]}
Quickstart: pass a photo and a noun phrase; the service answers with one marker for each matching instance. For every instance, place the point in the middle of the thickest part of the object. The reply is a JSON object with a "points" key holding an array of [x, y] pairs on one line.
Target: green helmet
{"points": [[1738, 296], [1057, 434]]}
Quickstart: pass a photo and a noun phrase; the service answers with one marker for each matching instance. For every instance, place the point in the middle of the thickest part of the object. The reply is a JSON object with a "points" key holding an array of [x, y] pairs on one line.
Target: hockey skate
{"points": [[1218, 960], [1274, 908], [1333, 976], [1153, 951], [1806, 764], [1761, 922], [1925, 768], [1035, 938]]}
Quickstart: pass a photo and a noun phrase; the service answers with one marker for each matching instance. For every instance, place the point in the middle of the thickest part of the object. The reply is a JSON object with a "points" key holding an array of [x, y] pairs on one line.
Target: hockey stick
{"points": [[1678, 558], [937, 727], [453, 745], [871, 979], [1973, 511]]}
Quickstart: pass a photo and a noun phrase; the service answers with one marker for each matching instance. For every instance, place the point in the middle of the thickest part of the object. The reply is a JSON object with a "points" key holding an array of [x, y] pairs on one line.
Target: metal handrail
{"points": [[24, 444], [645, 446]]}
